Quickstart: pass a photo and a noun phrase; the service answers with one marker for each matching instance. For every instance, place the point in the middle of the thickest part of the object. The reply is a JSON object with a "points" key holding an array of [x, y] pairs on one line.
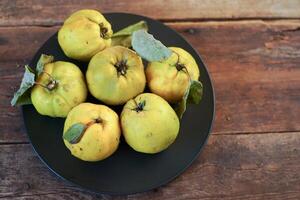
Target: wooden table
{"points": [[252, 50]]}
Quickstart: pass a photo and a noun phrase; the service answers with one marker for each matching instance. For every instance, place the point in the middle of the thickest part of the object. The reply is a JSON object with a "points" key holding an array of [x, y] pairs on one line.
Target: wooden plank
{"points": [[261, 166], [254, 66], [38, 12], [11, 121], [17, 46], [255, 69]]}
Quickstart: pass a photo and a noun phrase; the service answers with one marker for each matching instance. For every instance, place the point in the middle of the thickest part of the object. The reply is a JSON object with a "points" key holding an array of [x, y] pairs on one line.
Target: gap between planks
{"points": [[177, 21], [213, 133]]}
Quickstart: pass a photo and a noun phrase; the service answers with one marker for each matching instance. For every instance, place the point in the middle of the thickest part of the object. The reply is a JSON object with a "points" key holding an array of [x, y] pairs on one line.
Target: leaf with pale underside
{"points": [[192, 95], [124, 36], [148, 47], [22, 96], [75, 133], [44, 59]]}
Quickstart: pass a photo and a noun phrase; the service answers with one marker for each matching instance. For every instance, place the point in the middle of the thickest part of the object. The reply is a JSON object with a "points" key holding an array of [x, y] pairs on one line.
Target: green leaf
{"points": [[143, 103], [131, 28], [24, 99], [148, 47], [124, 41], [44, 59], [195, 92], [192, 95], [123, 37], [180, 108], [74, 133], [22, 96]]}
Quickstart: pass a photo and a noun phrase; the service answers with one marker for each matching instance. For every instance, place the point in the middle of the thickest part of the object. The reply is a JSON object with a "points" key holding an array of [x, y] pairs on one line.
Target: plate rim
{"points": [[83, 188]]}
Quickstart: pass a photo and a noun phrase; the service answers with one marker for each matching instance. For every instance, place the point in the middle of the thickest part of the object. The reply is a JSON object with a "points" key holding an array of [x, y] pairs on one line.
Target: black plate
{"points": [[126, 171]]}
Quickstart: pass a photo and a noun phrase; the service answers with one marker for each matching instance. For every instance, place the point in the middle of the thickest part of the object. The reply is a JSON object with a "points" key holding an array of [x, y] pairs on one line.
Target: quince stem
{"points": [[180, 66], [95, 121], [121, 67], [103, 31], [139, 106], [51, 85]]}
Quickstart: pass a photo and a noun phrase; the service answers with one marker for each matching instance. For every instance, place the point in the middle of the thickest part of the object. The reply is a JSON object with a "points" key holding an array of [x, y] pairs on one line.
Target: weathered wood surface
{"points": [[253, 166], [39, 12], [254, 67], [254, 151]]}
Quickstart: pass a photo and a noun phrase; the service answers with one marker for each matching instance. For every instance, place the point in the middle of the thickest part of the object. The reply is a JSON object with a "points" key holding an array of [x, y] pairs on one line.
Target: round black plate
{"points": [[126, 171]]}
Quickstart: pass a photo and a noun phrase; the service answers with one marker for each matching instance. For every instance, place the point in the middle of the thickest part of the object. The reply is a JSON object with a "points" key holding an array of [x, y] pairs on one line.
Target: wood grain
{"points": [[254, 151], [260, 166], [255, 69], [39, 12], [254, 66]]}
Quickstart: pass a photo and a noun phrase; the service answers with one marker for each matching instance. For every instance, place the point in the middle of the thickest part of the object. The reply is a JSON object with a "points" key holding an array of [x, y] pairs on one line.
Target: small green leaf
{"points": [[124, 41], [143, 103], [180, 107], [44, 59], [74, 133], [24, 99], [148, 47], [131, 28], [22, 96], [123, 37], [140, 106], [195, 92], [192, 95]]}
